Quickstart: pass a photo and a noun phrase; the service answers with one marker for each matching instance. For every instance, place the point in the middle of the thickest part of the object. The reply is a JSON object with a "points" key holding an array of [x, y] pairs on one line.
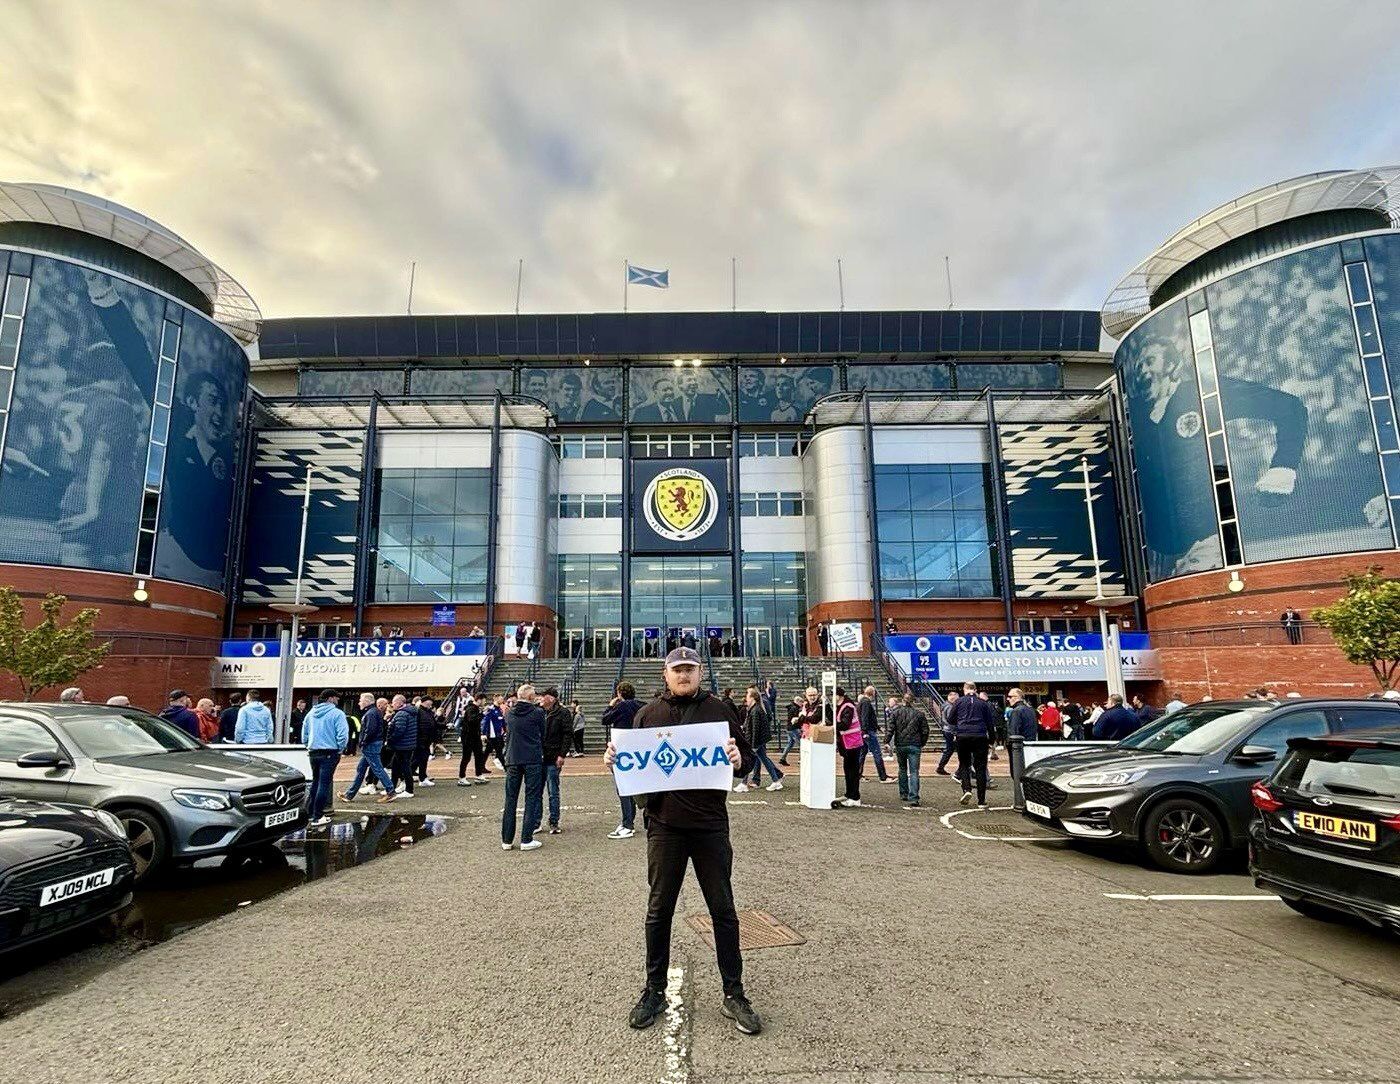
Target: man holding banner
{"points": [[684, 753]]}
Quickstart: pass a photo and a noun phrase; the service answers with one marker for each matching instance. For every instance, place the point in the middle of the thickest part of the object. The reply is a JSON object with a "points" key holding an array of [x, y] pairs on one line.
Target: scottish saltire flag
{"points": [[640, 276]]}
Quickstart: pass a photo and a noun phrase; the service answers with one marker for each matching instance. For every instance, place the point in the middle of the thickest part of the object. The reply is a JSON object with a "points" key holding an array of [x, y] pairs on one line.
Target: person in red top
{"points": [[1051, 722]]}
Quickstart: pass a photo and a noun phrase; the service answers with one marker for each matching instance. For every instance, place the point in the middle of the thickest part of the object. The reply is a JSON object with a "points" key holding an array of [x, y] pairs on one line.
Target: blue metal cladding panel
{"points": [[280, 461], [201, 461], [1051, 551], [1307, 476], [80, 422], [1169, 446]]}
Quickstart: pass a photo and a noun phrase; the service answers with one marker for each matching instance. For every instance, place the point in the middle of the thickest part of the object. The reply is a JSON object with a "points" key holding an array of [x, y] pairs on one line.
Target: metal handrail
{"points": [[495, 649], [709, 661], [572, 679], [922, 690]]}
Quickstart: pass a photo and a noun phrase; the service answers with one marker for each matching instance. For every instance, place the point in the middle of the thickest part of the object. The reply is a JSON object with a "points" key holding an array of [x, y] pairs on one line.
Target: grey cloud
{"points": [[316, 149]]}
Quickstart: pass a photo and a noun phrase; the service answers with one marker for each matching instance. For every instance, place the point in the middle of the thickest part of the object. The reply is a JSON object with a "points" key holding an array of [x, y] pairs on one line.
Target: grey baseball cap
{"points": [[683, 656]]}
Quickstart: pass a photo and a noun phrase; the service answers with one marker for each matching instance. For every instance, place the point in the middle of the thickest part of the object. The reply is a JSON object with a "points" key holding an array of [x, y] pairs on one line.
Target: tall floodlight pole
{"points": [[286, 668], [1112, 653]]}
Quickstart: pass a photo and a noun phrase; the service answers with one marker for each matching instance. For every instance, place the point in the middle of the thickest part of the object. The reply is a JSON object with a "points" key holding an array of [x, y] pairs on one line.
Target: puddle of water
{"points": [[190, 896]]}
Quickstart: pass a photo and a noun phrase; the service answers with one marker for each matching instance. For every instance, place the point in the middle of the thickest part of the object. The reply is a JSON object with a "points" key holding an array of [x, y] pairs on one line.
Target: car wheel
{"points": [[1315, 910], [1184, 836], [147, 836]]}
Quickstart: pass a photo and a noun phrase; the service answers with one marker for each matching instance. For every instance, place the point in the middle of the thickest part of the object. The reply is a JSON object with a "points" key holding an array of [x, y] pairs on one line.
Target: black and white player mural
{"points": [[782, 393], [922, 376], [1303, 456], [575, 395], [681, 393], [80, 421], [1300, 450]]}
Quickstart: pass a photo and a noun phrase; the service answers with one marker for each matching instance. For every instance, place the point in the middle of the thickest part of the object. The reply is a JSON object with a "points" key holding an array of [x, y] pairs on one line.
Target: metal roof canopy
{"points": [[403, 412], [961, 408], [232, 306], [1367, 189]]}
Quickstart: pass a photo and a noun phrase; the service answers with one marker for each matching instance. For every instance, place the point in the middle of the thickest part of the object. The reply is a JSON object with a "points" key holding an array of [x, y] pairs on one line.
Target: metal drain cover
{"points": [[1001, 829], [757, 929]]}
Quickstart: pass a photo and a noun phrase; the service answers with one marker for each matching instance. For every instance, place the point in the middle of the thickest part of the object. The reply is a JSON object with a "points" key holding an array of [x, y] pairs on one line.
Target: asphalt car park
{"points": [[966, 958]]}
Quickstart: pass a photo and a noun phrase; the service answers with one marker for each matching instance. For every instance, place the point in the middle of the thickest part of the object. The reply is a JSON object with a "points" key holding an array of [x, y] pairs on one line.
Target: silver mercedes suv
{"points": [[178, 798]]}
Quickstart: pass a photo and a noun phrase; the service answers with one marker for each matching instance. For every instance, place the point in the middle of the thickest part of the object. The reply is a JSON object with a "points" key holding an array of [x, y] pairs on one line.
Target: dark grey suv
{"points": [[178, 798], [1180, 786]]}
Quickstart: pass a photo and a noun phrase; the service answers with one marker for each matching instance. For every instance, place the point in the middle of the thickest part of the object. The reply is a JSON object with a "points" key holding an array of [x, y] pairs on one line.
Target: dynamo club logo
{"points": [[680, 504]]}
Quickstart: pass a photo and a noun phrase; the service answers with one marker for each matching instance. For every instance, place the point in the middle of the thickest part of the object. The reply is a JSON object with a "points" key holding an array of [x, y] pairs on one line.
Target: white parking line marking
{"points": [[1189, 897], [947, 817], [677, 1069]]}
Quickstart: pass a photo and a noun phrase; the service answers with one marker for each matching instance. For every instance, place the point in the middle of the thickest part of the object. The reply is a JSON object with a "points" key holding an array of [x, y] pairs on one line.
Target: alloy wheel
{"points": [[1186, 836], [143, 843]]}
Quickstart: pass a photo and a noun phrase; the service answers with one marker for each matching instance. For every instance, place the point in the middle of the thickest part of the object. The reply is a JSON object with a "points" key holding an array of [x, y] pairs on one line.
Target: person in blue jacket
{"points": [[1117, 722], [254, 725], [618, 715], [178, 712], [1021, 720], [524, 764], [403, 742], [372, 730], [326, 732]]}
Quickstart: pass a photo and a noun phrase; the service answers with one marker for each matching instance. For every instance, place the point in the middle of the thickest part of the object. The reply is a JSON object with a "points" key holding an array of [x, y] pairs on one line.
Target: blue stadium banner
{"points": [[680, 506], [350, 665], [1009, 658]]}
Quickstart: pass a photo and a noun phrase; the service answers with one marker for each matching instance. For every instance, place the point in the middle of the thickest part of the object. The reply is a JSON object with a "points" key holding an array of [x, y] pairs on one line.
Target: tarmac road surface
{"points": [[932, 954]]}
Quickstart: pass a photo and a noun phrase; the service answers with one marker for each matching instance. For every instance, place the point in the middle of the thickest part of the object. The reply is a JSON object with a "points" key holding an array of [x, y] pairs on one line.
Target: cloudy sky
{"points": [[316, 149]]}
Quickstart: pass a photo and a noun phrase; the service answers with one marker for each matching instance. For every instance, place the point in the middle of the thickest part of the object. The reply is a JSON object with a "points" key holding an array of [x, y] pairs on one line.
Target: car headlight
{"points": [[201, 799], [1090, 780], [109, 822]]}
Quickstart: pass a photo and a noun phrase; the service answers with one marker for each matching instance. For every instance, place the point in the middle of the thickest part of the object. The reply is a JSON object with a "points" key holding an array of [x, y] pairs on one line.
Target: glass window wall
{"points": [[775, 602], [682, 592], [431, 535], [935, 531]]}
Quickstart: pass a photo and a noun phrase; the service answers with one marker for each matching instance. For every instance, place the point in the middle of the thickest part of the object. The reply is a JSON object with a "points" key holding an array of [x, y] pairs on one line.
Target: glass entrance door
{"points": [[758, 641], [569, 642], [607, 643]]}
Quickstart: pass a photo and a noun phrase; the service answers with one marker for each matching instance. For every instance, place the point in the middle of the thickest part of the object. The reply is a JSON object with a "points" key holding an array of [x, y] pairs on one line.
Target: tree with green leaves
{"points": [[1365, 623], [52, 652]]}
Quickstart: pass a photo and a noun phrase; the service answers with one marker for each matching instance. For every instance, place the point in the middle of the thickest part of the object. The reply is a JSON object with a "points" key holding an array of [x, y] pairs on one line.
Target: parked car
{"points": [[1327, 836], [61, 867], [178, 799], [1180, 786]]}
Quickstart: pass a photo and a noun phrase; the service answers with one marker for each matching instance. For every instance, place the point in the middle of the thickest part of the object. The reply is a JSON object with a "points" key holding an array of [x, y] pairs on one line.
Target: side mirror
{"points": [[1256, 754], [44, 758]]}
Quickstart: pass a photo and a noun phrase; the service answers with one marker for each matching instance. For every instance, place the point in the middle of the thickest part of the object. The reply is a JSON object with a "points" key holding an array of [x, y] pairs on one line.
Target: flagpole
{"points": [[625, 277], [519, 276], [840, 284], [734, 283]]}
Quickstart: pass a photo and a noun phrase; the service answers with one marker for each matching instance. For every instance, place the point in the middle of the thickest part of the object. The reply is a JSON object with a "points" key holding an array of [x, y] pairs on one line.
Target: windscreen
{"points": [[125, 734], [1198, 729]]}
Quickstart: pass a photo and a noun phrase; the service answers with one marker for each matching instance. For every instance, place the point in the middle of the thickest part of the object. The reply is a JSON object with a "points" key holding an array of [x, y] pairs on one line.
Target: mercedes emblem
{"points": [[279, 796]]}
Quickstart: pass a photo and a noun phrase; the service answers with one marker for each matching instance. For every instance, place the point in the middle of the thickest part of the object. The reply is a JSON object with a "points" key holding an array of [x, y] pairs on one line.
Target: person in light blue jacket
{"points": [[326, 732], [254, 725]]}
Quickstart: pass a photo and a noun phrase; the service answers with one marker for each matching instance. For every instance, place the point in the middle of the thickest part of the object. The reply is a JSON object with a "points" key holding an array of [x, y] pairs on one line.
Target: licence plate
{"points": [[272, 820], [1038, 810], [1323, 824], [78, 886]]}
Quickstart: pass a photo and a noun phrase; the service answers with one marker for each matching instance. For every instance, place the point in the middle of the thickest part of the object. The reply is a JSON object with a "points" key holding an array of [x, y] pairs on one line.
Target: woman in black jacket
{"points": [[760, 731]]}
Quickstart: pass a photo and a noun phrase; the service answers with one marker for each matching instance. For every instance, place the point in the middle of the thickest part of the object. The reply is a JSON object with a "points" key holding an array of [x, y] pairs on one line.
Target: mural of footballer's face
{"points": [[570, 392], [664, 389], [750, 382], [537, 386], [690, 384], [210, 409]]}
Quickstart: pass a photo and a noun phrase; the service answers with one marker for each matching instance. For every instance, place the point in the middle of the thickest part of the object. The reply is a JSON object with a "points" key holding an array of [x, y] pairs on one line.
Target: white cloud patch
{"points": [[315, 149]]}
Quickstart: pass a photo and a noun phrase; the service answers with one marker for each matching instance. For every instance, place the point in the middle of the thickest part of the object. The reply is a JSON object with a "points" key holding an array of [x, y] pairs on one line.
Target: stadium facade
{"points": [[621, 478]]}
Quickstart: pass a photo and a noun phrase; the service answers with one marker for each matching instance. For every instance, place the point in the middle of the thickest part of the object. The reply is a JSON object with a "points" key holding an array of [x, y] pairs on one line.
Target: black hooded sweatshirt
{"points": [[693, 809]]}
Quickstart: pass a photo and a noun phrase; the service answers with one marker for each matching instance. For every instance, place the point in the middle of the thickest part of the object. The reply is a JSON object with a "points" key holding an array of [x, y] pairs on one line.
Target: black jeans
{"points": [[850, 762], [972, 756], [420, 760], [578, 742], [948, 746], [496, 747], [532, 776], [402, 769], [709, 851], [472, 752]]}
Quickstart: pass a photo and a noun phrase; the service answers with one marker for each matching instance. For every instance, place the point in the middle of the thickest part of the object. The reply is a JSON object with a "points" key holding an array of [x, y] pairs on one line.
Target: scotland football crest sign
{"points": [[680, 506]]}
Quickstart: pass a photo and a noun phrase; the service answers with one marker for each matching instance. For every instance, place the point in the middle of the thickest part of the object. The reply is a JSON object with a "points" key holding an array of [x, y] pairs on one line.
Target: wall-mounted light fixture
{"points": [[141, 594], [1236, 584]]}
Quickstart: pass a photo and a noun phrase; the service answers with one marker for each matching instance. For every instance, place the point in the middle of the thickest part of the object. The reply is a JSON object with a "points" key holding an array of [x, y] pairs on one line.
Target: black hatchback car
{"points": [[1327, 837], [61, 867], [1180, 786]]}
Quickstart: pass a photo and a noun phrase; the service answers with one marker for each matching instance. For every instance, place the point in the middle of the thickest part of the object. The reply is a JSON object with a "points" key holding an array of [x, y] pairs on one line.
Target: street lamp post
{"points": [[286, 663], [1112, 653]]}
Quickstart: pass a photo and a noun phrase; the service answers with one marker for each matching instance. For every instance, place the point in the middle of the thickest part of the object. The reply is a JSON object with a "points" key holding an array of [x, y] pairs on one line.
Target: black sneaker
{"points": [[554, 829], [651, 1005], [738, 1009]]}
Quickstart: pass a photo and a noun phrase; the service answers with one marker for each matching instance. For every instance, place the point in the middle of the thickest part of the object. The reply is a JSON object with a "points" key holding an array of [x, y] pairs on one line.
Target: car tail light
{"points": [[1264, 799], [1393, 823]]}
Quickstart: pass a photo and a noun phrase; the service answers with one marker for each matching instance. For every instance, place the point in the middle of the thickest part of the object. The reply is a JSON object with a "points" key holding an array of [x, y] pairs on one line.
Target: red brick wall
{"points": [[164, 643], [1242, 646]]}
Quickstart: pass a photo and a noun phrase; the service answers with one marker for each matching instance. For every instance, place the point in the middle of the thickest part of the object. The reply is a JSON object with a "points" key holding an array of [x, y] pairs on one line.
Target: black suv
{"points": [[61, 867], [1327, 838], [1180, 786]]}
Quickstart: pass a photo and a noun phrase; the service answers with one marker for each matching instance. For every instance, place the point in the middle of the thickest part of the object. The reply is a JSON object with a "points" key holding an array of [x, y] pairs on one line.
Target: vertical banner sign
{"points": [[680, 506]]}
